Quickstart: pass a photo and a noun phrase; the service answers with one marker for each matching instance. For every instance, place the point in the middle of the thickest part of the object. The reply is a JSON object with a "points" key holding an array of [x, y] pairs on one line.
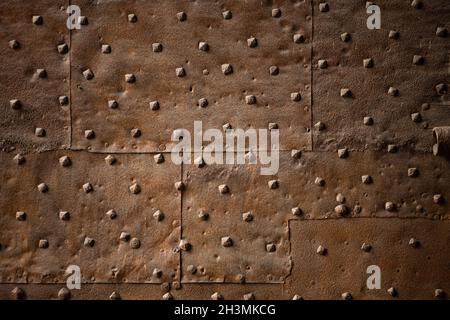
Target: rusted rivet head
{"points": [[216, 296], [418, 60], [181, 16], [250, 99], [87, 187], [439, 293], [202, 102], [226, 241], [273, 125], [157, 47], [298, 38], [441, 88], [247, 216], [110, 159], [392, 292], [157, 273], [39, 132], [21, 216], [366, 179], [319, 182], [106, 48], [414, 243], [296, 96], [135, 132], [342, 153], [249, 296], [14, 44], [366, 247], [271, 247], [64, 294], [203, 46], [296, 211], [227, 68], [65, 161], [180, 72], [320, 126], [158, 215], [83, 20], [42, 187], [180, 186], [346, 93], [389, 206], [130, 78], [37, 20], [43, 244], [89, 242], [340, 198], [227, 126], [112, 214], [321, 250], [252, 42], [135, 243], [135, 188], [274, 70], [167, 296], [394, 34], [413, 172], [441, 32], [273, 184], [19, 159], [322, 64], [89, 134], [393, 91], [368, 121], [223, 188], [341, 210], [115, 296], [368, 63], [296, 154], [15, 104], [63, 48], [418, 4], [416, 117], [347, 296], [63, 100], [276, 12], [64, 215], [227, 15], [202, 215], [124, 236], [154, 105], [191, 269], [18, 293], [346, 37], [132, 18], [88, 74], [184, 245], [159, 158], [297, 297], [392, 148], [438, 199], [113, 104], [199, 162], [324, 7]]}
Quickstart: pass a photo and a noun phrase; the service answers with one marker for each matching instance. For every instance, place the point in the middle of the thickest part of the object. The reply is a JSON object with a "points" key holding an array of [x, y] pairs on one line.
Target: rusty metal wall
{"points": [[86, 171]]}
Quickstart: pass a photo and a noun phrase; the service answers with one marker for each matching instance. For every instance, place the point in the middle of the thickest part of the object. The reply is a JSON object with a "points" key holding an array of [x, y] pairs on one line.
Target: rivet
{"points": [[115, 296], [14, 44], [252, 42], [199, 162], [368, 63], [184, 245], [296, 96], [438, 199], [273, 184], [393, 91], [319, 182], [109, 159], [37, 20], [113, 104], [43, 244], [157, 273], [250, 99], [247, 216], [274, 70], [159, 158], [106, 48], [157, 47], [135, 243], [296, 154], [324, 7], [340, 198], [392, 291], [276, 13], [223, 188], [343, 153], [320, 126], [191, 269], [296, 211], [413, 172], [65, 161], [15, 104], [135, 133], [347, 296], [366, 247], [39, 132], [158, 215], [227, 15], [417, 4], [298, 38], [181, 16], [83, 20], [441, 32], [389, 206], [89, 242], [63, 48], [394, 34], [345, 37], [203, 46], [366, 179], [180, 186], [418, 60], [89, 134], [88, 74], [414, 243], [19, 159], [154, 105], [271, 247], [321, 250], [21, 216], [167, 296], [297, 297], [132, 18], [368, 121], [392, 148], [180, 72], [439, 293], [202, 102], [64, 294], [124, 236], [273, 126], [346, 93], [322, 63], [226, 242], [249, 296], [341, 210], [64, 215], [87, 187], [135, 188], [63, 100], [441, 88], [202, 215], [130, 78], [227, 126], [112, 214], [18, 293], [227, 69], [42, 187]]}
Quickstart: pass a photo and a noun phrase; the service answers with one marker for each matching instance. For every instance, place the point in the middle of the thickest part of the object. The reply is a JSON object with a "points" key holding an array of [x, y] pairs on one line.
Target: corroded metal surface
{"points": [[86, 113]]}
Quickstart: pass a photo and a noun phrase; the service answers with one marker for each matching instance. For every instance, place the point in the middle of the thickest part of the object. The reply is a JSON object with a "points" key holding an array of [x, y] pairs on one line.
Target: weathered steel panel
{"points": [[30, 97], [111, 257], [177, 45]]}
